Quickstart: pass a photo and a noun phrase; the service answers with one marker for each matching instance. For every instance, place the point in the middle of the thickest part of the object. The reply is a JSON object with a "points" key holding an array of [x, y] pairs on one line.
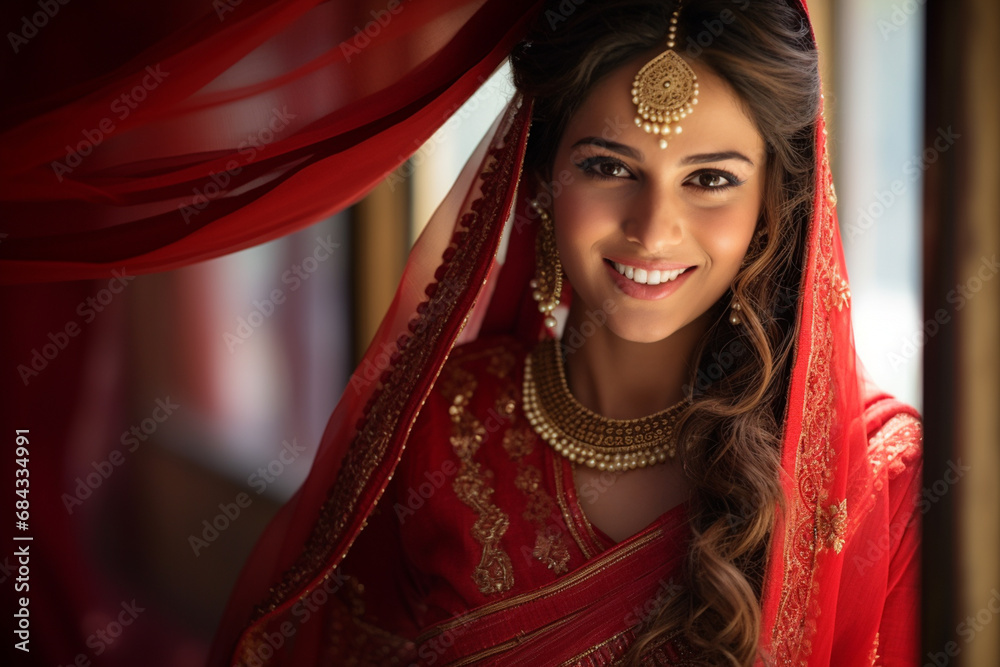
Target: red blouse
{"points": [[486, 509]]}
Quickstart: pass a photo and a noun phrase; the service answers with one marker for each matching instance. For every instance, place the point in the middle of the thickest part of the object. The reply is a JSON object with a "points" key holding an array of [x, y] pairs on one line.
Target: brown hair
{"points": [[731, 434]]}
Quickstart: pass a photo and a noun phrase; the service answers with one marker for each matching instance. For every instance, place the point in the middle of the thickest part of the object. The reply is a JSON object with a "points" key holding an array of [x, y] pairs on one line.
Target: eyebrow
{"points": [[630, 152], [716, 157]]}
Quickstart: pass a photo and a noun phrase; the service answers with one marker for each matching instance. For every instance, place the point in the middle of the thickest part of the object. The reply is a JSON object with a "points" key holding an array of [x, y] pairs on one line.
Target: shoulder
{"points": [[895, 437], [895, 457]]}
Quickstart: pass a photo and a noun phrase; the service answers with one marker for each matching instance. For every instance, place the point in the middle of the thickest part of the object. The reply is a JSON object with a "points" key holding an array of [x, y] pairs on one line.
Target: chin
{"points": [[640, 329]]}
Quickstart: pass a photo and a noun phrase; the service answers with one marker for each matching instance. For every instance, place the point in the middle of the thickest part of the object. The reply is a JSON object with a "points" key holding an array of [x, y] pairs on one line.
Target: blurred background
{"points": [[220, 390]]}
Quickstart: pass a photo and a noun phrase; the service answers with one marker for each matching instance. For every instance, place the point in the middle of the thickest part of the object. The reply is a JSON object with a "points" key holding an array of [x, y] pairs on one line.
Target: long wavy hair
{"points": [[731, 433]]}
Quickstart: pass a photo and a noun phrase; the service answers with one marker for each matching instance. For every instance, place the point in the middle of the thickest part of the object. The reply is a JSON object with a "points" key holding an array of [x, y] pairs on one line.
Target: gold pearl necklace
{"points": [[583, 436]]}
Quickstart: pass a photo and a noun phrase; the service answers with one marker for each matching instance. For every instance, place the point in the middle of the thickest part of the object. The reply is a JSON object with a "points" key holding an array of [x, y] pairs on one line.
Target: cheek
{"points": [[726, 235], [581, 221]]}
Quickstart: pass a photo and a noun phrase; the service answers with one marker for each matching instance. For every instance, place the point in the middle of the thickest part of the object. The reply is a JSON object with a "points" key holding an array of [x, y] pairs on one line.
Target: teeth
{"points": [[644, 277]]}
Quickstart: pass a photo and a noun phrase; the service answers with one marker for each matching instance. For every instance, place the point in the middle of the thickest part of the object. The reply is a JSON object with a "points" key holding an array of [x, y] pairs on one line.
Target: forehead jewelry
{"points": [[665, 90]]}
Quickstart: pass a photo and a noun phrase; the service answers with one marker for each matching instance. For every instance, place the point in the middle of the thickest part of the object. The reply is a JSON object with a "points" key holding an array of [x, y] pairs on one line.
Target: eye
{"points": [[714, 179], [604, 168]]}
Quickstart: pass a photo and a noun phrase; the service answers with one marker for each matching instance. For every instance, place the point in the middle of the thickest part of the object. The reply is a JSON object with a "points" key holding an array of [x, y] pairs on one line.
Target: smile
{"points": [[644, 277]]}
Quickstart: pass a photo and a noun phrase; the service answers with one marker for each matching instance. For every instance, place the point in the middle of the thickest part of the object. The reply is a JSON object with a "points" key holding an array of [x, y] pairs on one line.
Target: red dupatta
{"points": [[844, 552], [850, 461]]}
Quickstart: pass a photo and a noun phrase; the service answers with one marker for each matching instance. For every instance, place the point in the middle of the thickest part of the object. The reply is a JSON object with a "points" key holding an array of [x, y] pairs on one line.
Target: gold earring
{"points": [[547, 284], [734, 313]]}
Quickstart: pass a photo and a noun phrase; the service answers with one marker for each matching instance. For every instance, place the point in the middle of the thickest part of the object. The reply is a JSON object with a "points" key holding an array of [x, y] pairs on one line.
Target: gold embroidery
{"points": [[593, 569], [832, 524], [518, 441], [550, 548], [873, 657], [797, 605], [616, 645], [549, 545], [501, 364], [495, 572], [563, 499], [391, 409], [841, 292], [899, 434]]}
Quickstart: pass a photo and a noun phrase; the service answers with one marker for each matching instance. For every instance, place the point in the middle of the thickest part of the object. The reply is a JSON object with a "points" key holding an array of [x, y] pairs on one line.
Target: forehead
{"points": [[718, 122]]}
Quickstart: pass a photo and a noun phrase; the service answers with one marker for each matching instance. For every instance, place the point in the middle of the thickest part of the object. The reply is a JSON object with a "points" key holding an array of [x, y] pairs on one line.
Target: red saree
{"points": [[491, 561], [841, 581]]}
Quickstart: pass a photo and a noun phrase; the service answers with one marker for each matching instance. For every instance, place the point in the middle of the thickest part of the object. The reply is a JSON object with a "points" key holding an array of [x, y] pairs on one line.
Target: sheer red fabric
{"points": [[841, 584], [207, 127]]}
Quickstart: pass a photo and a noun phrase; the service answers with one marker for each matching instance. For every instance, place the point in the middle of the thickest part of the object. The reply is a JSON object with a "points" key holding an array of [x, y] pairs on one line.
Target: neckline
{"points": [[670, 520]]}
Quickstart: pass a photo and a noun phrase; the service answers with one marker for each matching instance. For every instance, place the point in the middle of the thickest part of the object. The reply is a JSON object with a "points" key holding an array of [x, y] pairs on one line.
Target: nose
{"points": [[654, 220]]}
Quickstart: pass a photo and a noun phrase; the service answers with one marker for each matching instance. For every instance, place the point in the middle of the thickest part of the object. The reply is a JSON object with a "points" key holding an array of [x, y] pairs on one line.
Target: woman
{"points": [[623, 421]]}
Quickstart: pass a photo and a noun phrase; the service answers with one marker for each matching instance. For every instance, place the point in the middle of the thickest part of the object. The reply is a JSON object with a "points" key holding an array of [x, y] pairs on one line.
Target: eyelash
{"points": [[587, 164]]}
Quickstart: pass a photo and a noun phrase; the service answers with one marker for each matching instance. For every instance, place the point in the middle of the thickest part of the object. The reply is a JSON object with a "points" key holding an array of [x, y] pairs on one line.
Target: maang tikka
{"points": [[665, 90], [547, 283]]}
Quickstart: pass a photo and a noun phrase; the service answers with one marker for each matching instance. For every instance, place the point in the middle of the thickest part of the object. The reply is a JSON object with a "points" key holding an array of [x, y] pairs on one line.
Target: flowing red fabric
{"points": [[841, 583], [205, 128]]}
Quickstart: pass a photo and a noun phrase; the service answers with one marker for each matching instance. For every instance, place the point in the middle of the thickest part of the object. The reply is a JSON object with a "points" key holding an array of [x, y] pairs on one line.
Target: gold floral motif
{"points": [[495, 572], [550, 548], [501, 364], [519, 442], [832, 524], [841, 292]]}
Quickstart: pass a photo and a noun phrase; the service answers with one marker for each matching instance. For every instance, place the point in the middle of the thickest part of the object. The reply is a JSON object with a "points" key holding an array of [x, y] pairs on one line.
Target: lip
{"points": [[649, 292]]}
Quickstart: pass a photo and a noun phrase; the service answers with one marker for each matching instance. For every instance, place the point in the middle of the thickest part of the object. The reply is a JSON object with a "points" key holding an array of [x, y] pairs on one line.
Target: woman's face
{"points": [[625, 204]]}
